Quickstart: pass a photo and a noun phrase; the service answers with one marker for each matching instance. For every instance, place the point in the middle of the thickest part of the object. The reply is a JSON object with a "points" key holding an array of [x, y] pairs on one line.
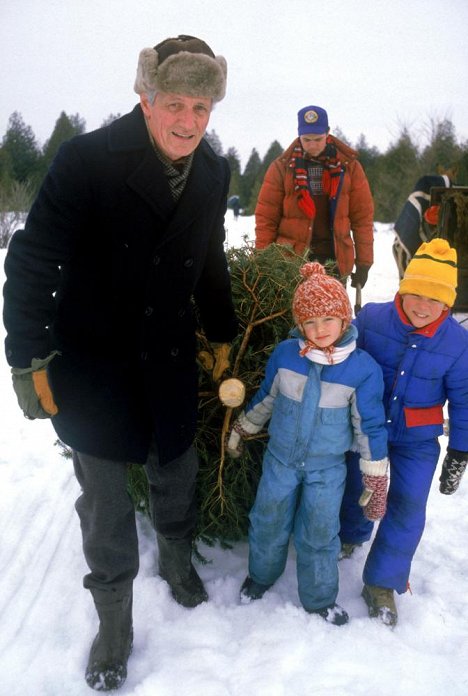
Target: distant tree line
{"points": [[392, 174]]}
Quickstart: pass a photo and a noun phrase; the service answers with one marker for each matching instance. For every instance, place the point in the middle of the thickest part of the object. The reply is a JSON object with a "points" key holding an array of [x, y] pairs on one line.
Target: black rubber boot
{"points": [[111, 648], [176, 568]]}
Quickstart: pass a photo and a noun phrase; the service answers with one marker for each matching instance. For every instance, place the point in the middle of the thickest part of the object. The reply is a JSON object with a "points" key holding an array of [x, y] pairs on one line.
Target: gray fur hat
{"points": [[182, 65]]}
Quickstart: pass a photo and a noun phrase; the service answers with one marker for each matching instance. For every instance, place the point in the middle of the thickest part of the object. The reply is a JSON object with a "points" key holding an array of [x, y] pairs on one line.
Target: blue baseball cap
{"points": [[312, 119]]}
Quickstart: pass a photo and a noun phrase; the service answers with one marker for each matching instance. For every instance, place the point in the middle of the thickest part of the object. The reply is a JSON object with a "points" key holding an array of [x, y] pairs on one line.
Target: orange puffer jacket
{"points": [[279, 219]]}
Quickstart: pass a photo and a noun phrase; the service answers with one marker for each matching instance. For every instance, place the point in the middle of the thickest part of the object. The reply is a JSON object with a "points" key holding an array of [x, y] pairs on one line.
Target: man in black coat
{"points": [[124, 239]]}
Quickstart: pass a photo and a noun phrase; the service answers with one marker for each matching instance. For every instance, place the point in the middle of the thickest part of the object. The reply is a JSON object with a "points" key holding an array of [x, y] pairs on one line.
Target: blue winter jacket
{"points": [[422, 369], [318, 410]]}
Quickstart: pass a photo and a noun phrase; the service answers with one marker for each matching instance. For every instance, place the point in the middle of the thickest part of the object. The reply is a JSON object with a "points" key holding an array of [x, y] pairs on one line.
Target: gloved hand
{"points": [[375, 481], [431, 215], [32, 389], [241, 429], [453, 468], [221, 353], [374, 496], [359, 277], [235, 442], [217, 361]]}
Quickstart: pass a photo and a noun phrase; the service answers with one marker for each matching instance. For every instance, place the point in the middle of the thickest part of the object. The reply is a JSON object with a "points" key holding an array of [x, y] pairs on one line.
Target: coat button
{"points": [[156, 260], [148, 311], [181, 313], [188, 263], [174, 352]]}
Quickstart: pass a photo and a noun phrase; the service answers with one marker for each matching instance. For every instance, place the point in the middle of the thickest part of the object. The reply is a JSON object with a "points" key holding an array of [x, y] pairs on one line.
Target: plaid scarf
{"points": [[332, 169], [176, 172]]}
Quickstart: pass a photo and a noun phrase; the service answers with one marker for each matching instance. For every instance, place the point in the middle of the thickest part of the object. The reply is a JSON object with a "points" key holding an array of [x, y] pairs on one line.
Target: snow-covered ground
{"points": [[222, 648]]}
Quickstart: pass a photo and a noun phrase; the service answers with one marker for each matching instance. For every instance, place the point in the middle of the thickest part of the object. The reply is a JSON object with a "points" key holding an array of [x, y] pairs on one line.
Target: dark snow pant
{"points": [[107, 514], [412, 469], [305, 504]]}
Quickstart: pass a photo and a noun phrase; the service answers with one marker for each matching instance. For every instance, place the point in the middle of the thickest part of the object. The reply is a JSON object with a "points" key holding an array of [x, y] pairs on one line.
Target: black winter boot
{"points": [[111, 648], [251, 590], [176, 568]]}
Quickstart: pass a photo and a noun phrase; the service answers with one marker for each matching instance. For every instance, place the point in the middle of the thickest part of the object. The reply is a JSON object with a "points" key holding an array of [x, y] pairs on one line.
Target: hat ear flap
{"points": [[147, 71]]}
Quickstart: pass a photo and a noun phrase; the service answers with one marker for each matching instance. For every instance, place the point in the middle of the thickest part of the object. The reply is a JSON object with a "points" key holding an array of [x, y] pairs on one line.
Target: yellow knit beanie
{"points": [[432, 272]]}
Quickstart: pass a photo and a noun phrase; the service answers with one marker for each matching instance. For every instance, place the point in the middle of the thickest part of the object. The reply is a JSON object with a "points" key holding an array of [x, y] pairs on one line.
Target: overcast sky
{"points": [[375, 65]]}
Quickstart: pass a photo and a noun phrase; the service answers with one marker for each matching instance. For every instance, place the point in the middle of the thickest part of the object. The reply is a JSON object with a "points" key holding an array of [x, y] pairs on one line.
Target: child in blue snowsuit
{"points": [[423, 353], [320, 395]]}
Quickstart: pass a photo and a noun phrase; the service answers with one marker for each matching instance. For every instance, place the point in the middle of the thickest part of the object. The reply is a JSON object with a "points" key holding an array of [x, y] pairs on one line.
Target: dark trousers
{"points": [[107, 514]]}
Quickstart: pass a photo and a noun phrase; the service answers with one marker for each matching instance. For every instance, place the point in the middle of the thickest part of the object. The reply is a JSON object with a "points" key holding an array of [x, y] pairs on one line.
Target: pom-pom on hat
{"points": [[312, 119], [432, 272], [320, 295], [182, 65]]}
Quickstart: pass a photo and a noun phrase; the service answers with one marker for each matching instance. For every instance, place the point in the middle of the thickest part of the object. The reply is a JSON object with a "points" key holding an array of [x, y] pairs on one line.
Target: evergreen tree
{"points": [[397, 171], [214, 141], [274, 151], [369, 158], [66, 127], [442, 150], [20, 148], [109, 119], [338, 133], [235, 185], [6, 169], [251, 173]]}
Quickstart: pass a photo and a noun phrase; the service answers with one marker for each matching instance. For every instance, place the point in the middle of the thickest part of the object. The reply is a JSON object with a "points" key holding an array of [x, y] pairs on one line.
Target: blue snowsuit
{"points": [[316, 411], [422, 368]]}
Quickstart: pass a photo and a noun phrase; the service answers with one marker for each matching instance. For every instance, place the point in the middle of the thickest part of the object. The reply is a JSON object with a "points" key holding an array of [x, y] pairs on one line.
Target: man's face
{"points": [[177, 123], [314, 144], [420, 310]]}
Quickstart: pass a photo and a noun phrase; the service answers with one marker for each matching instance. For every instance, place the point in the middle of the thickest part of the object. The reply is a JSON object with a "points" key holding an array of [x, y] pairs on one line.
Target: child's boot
{"points": [[333, 614], [381, 603], [252, 590], [347, 550]]}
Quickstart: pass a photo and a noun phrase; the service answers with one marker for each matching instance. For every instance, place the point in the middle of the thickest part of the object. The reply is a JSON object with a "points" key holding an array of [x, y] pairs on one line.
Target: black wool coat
{"points": [[108, 270]]}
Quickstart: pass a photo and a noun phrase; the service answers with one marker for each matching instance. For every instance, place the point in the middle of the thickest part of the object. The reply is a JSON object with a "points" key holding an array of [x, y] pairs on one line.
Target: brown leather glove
{"points": [[32, 389], [216, 361]]}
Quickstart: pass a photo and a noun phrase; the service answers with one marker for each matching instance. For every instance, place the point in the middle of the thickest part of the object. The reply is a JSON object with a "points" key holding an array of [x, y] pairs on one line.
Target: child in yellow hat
{"points": [[423, 353]]}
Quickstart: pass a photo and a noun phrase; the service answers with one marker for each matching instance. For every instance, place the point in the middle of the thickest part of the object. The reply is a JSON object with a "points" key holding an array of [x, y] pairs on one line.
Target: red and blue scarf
{"points": [[331, 177]]}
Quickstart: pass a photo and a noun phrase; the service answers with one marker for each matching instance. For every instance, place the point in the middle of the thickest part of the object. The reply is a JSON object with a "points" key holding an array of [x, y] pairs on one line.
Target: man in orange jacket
{"points": [[316, 196]]}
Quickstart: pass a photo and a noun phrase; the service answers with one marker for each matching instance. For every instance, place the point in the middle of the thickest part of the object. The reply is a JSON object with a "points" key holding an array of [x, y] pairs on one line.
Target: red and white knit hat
{"points": [[320, 295]]}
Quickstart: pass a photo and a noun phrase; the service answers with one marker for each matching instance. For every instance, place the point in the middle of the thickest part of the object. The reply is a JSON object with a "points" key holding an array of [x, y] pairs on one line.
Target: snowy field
{"points": [[269, 648]]}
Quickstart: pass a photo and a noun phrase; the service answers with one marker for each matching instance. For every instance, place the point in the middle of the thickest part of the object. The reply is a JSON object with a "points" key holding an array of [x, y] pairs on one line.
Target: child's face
{"points": [[420, 310], [323, 331]]}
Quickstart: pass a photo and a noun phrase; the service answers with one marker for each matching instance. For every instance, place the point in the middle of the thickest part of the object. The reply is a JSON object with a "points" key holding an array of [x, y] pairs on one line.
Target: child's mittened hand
{"points": [[374, 497], [235, 442], [453, 468], [234, 445]]}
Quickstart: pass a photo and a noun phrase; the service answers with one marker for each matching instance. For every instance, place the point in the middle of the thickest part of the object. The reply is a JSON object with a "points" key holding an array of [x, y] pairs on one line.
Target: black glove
{"points": [[359, 277], [453, 468]]}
